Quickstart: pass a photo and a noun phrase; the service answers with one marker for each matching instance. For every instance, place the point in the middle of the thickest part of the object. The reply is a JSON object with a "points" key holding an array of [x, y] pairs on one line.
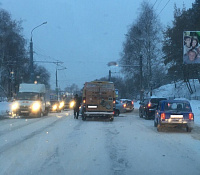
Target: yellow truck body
{"points": [[98, 100]]}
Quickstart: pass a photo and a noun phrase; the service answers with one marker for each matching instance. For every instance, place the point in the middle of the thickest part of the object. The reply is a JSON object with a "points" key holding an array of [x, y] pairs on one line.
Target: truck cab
{"points": [[31, 100]]}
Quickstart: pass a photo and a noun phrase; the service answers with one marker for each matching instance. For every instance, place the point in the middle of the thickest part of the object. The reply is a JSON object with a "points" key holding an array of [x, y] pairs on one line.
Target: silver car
{"points": [[119, 108]]}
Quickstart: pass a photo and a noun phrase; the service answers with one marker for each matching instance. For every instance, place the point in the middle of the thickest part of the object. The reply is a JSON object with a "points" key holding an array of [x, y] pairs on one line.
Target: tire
{"points": [[117, 113], [111, 119], [46, 112], [159, 127], [140, 114], [146, 116], [39, 115], [188, 129], [83, 117]]}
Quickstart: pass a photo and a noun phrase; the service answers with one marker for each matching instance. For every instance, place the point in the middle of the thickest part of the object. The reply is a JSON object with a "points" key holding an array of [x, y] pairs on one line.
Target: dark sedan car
{"points": [[148, 107], [174, 113]]}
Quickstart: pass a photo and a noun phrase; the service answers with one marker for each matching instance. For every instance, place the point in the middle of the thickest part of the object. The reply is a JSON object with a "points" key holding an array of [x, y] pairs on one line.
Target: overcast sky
{"points": [[83, 34]]}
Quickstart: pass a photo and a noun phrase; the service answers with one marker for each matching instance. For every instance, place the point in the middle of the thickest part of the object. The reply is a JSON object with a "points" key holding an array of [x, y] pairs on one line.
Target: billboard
{"points": [[191, 47]]}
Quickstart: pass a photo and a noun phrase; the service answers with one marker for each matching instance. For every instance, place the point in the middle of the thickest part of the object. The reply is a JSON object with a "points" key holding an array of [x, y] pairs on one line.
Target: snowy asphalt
{"points": [[60, 144]]}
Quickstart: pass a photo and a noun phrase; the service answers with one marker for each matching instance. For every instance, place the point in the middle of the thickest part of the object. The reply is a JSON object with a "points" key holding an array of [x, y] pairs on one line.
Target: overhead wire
{"points": [[163, 8], [158, 5], [154, 4]]}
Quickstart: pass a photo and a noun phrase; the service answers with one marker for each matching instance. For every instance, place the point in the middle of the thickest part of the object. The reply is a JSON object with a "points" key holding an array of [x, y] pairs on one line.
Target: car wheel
{"points": [[40, 114], [159, 127], [188, 129], [146, 116], [140, 114]]}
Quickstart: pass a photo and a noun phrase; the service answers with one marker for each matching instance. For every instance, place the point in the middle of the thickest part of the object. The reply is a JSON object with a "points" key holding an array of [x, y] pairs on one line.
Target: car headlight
{"points": [[36, 106], [54, 107], [72, 103], [15, 106], [61, 105]]}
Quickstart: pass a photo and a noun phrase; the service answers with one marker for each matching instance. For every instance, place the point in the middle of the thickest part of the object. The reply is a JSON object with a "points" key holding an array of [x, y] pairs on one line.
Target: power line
{"points": [[154, 4], [163, 8], [158, 5]]}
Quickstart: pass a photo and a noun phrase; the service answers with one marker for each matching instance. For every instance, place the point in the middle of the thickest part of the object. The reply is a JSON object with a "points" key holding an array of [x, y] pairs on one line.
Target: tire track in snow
{"points": [[116, 152], [28, 121], [27, 137]]}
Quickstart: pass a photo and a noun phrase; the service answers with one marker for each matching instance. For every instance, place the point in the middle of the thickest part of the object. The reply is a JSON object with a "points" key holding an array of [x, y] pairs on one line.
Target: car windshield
{"points": [[177, 106], [27, 96], [54, 102]]}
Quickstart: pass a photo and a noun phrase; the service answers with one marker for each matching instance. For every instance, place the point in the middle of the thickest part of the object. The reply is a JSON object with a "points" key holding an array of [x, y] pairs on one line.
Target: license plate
{"points": [[176, 116], [24, 111]]}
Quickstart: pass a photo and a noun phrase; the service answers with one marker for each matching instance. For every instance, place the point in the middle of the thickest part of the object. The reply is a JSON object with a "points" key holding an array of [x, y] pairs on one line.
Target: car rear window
{"points": [[157, 100], [177, 106]]}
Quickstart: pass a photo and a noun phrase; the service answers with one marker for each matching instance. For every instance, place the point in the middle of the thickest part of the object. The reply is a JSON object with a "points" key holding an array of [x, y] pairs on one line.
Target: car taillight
{"points": [[132, 102], [149, 105], [191, 116], [124, 105], [84, 99], [163, 116]]}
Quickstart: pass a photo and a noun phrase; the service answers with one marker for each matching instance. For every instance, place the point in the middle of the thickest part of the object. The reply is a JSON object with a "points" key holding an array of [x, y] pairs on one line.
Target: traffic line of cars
{"points": [[123, 106], [167, 113]]}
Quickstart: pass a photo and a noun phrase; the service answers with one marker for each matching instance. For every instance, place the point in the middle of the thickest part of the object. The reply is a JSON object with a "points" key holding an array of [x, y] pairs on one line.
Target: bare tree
{"points": [[144, 40]]}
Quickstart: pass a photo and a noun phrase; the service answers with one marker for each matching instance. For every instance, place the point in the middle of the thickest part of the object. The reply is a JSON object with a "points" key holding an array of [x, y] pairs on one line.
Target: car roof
{"points": [[175, 101], [125, 99]]}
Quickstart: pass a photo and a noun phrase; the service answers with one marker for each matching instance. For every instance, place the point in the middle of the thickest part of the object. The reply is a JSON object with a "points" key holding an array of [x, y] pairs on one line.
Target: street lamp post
{"points": [[141, 76], [57, 80], [31, 53]]}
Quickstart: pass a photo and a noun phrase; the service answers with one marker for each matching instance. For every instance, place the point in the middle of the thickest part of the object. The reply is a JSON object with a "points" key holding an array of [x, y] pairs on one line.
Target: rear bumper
{"points": [[99, 114], [178, 122], [129, 109]]}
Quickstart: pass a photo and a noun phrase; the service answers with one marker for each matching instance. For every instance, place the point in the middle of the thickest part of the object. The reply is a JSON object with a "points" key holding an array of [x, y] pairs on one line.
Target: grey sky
{"points": [[84, 34]]}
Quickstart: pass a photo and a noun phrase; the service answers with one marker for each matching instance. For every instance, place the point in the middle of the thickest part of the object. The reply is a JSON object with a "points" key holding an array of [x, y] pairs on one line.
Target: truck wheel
{"points": [[117, 112], [40, 114], [112, 118], [46, 112], [188, 129], [83, 117]]}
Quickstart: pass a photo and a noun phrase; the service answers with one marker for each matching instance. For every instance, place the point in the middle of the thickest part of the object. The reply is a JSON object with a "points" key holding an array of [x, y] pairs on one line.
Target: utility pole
{"points": [[141, 79], [57, 83], [109, 75], [57, 64], [31, 61]]}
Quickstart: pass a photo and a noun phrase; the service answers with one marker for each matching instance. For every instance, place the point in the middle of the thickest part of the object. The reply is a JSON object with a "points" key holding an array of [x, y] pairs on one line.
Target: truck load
{"points": [[98, 100], [31, 100]]}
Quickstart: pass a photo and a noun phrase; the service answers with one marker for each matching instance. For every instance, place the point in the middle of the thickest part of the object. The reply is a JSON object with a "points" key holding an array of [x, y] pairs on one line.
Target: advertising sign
{"points": [[191, 47]]}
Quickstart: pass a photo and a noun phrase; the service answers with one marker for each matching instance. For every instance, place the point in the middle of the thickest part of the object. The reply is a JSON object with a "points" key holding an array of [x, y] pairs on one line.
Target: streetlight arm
{"points": [[37, 27]]}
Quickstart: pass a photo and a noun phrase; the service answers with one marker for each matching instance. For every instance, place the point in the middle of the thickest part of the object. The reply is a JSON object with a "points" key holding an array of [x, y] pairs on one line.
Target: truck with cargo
{"points": [[31, 100], [98, 100]]}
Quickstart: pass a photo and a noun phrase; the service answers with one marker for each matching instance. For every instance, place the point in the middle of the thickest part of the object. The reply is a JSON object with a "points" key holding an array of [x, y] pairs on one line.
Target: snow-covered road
{"points": [[59, 144]]}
